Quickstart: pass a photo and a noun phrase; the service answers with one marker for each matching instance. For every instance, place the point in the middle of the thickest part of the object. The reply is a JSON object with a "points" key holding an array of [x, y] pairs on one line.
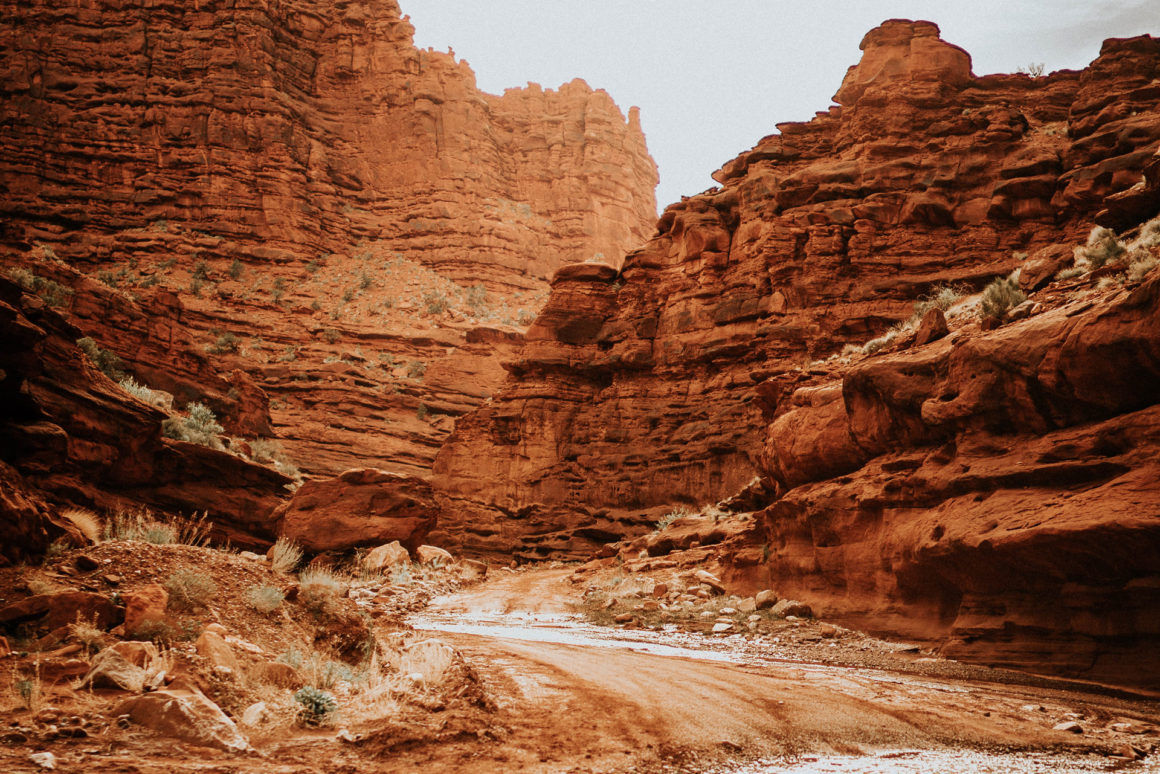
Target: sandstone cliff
{"points": [[992, 491], [344, 220], [636, 390]]}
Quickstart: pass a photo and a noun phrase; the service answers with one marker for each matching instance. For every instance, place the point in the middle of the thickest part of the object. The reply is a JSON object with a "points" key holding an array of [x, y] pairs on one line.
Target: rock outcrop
{"points": [[636, 390], [362, 507], [297, 210], [71, 435]]}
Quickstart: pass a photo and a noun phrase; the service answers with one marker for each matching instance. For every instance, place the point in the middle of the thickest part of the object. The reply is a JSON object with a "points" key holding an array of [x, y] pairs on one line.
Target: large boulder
{"points": [[46, 612], [359, 507], [386, 557], [185, 715]]}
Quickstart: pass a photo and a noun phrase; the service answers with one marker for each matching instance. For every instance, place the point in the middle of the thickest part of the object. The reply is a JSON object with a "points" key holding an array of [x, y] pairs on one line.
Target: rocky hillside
{"points": [[636, 391], [294, 192]]}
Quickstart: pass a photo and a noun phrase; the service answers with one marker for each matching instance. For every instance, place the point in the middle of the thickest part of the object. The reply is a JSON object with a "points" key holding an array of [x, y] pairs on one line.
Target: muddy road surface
{"points": [[578, 698]]}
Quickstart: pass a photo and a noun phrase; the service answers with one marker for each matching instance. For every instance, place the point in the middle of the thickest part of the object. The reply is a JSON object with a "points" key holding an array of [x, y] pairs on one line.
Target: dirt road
{"points": [[575, 702]]}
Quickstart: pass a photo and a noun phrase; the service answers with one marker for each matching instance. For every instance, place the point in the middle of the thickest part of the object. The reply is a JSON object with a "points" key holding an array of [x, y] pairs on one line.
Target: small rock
{"points": [[710, 580], [344, 735], [747, 605], [143, 605], [828, 632], [213, 648], [1033, 708], [471, 570], [660, 590], [112, 580], [754, 618], [650, 606], [1022, 311], [85, 563], [44, 760], [386, 557], [728, 611], [1069, 726], [765, 599], [609, 603], [932, 327], [623, 618], [434, 555], [111, 669], [787, 607], [276, 673], [722, 627], [255, 714], [252, 556]]}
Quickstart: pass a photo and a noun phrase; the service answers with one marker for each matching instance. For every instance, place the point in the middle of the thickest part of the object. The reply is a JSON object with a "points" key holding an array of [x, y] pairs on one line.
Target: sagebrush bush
{"points": [[199, 427], [285, 555], [143, 393], [318, 589], [1001, 296], [1102, 248], [189, 590], [224, 344], [104, 359], [265, 599], [53, 293], [1138, 269], [664, 521], [942, 297]]}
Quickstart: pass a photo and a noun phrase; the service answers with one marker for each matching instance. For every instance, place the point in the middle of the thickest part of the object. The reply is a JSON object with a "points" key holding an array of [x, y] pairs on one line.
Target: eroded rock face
{"points": [[72, 435], [639, 390], [300, 176], [359, 508], [992, 491]]}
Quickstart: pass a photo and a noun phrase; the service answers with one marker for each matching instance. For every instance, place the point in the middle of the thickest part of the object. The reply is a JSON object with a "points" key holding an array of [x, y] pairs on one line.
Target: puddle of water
{"points": [[944, 762]]}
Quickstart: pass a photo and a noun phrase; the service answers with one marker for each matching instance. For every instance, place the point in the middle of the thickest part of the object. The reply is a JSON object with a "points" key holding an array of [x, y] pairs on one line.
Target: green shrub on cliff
{"points": [[1001, 296], [199, 427]]}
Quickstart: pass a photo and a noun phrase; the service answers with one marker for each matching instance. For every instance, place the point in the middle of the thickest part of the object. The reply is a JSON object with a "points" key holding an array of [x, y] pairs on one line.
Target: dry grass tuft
{"points": [[87, 523], [285, 555]]}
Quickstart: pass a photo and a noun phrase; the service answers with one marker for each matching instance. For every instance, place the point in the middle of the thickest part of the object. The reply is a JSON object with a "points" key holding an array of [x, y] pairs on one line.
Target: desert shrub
{"points": [[264, 599], [872, 346], [53, 293], [364, 281], [1138, 269], [436, 302], [1102, 248], [156, 631], [289, 354], [225, 343], [142, 525], [1002, 295], [318, 589], [87, 634], [401, 574], [664, 521], [416, 369], [421, 412], [1069, 273], [189, 589], [236, 269], [331, 335], [317, 705], [285, 555], [143, 393], [942, 297], [201, 271], [1149, 235], [104, 359], [86, 522], [429, 659], [199, 427]]}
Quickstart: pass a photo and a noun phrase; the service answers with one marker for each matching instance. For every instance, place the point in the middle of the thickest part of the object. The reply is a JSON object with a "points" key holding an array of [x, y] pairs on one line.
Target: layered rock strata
{"points": [[635, 391], [73, 436], [369, 225]]}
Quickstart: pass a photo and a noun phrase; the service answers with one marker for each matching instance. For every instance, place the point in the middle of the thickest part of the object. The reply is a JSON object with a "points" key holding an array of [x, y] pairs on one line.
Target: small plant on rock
{"points": [[285, 555], [1001, 296], [318, 589], [264, 599], [189, 590], [224, 344], [1102, 248], [199, 427], [317, 705], [104, 359]]}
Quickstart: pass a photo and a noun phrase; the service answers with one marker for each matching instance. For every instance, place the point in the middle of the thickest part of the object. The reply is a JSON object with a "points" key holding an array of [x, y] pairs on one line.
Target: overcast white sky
{"points": [[712, 77]]}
